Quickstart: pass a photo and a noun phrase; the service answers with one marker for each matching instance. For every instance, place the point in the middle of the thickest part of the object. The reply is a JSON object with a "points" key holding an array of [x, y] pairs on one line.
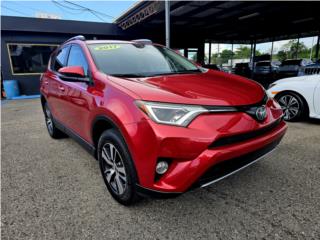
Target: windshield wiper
{"points": [[128, 75], [188, 71], [175, 72]]}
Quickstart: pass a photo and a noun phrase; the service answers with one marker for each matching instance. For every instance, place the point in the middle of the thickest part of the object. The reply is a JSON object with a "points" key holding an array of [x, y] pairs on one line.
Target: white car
{"points": [[298, 96]]}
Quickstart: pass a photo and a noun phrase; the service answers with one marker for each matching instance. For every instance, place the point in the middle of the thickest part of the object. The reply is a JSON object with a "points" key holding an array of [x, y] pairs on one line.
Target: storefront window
{"points": [[214, 53], [206, 52], [283, 50], [29, 58], [242, 53], [307, 48], [263, 49], [192, 54]]}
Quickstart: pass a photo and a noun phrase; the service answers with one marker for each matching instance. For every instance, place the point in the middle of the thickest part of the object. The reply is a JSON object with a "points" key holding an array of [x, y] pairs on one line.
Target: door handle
{"points": [[61, 88]]}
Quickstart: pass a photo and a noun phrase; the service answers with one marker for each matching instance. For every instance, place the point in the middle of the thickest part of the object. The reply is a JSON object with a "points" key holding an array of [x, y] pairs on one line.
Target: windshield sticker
{"points": [[107, 47]]}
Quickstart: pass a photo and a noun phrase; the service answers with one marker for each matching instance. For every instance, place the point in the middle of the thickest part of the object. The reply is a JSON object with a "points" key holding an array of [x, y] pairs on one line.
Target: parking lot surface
{"points": [[52, 189]]}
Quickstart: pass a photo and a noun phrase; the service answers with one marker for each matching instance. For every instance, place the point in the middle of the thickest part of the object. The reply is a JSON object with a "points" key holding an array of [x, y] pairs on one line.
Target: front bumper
{"points": [[193, 151], [217, 172]]}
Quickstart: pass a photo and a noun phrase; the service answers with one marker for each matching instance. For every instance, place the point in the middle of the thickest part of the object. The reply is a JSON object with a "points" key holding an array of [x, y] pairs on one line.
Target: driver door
{"points": [[77, 97]]}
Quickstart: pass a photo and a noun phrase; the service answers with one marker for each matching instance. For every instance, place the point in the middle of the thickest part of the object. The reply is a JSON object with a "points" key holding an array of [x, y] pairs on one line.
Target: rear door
{"points": [[56, 85]]}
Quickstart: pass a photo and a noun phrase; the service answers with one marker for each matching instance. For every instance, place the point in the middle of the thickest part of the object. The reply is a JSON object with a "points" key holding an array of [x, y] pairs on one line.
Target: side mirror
{"points": [[72, 71], [73, 74]]}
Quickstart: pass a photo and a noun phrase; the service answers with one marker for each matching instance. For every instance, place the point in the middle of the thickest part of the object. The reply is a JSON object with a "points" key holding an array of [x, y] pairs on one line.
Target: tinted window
{"points": [[60, 59], [29, 58], [77, 58], [291, 62], [261, 64], [242, 65], [138, 59]]}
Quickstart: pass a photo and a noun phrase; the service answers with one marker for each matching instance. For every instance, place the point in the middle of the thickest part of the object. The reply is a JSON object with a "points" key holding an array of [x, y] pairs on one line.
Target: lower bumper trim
{"points": [[217, 172], [229, 167], [146, 192]]}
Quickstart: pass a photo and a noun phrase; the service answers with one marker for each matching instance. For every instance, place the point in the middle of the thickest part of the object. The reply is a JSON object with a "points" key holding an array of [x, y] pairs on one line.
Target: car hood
{"points": [[209, 88], [305, 78]]}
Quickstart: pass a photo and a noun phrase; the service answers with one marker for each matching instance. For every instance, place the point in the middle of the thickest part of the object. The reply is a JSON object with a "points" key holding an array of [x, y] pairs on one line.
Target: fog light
{"points": [[162, 167]]}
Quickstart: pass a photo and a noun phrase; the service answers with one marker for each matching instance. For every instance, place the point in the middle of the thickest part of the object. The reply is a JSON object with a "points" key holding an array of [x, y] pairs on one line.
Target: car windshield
{"points": [[139, 60]]}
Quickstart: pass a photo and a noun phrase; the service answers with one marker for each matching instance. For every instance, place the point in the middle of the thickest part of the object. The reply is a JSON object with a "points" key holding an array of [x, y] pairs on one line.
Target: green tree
{"points": [[214, 58], [225, 55], [242, 52], [294, 48], [314, 51], [300, 50], [282, 55], [195, 58]]}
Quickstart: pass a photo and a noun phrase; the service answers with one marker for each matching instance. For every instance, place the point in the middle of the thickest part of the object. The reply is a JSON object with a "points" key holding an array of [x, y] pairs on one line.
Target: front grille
{"points": [[244, 136], [228, 167], [312, 70]]}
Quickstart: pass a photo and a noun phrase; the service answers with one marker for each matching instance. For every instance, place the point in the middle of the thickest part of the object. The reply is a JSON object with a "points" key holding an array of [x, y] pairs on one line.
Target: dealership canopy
{"points": [[223, 21]]}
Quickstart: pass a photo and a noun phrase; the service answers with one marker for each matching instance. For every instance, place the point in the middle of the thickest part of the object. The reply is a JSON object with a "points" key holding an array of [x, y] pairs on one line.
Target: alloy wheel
{"points": [[290, 106], [113, 168]]}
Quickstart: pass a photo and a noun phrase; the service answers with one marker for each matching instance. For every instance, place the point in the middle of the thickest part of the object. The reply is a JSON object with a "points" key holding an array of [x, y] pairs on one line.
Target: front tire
{"points": [[293, 106], [117, 167]]}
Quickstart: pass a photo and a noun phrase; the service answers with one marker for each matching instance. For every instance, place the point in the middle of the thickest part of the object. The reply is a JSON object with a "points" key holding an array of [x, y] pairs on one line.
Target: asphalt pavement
{"points": [[52, 189]]}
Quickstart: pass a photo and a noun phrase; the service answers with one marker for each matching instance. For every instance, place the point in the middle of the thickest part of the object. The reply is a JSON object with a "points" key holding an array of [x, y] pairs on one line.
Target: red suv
{"points": [[158, 124]]}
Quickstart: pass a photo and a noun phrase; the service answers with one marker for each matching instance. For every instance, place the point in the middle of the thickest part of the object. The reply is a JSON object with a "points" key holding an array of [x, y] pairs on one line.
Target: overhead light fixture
{"points": [[302, 20], [249, 16]]}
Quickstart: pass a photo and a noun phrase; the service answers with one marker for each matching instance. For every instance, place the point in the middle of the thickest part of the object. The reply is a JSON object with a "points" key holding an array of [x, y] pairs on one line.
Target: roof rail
{"points": [[79, 37], [142, 41]]}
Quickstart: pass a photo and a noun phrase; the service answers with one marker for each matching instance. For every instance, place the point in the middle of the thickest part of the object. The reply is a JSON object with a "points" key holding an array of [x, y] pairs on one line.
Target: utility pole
{"points": [[167, 20]]}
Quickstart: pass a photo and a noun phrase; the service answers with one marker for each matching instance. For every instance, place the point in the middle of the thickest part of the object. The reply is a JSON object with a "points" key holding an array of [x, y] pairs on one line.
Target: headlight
{"points": [[176, 114], [172, 114]]}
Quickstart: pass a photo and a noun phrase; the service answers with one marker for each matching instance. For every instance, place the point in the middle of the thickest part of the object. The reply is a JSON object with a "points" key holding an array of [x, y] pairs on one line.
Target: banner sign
{"points": [[144, 13]]}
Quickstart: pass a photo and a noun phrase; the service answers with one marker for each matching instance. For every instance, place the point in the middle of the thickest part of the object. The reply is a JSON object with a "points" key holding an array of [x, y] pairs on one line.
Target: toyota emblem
{"points": [[261, 113]]}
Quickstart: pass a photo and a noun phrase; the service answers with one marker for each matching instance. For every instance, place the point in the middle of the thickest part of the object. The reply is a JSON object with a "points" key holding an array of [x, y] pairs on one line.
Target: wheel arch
{"points": [[99, 125], [307, 110], [102, 123]]}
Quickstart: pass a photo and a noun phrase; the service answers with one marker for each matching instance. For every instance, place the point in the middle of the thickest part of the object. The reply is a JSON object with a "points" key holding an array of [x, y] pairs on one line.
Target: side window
{"points": [[77, 58], [60, 59]]}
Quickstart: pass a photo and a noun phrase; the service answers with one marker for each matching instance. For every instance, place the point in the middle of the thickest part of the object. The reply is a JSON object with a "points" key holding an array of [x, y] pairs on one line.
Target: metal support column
{"points": [[209, 60], [251, 52], [297, 50], [167, 20], [317, 48], [200, 53], [271, 51], [253, 58], [185, 52], [232, 56]]}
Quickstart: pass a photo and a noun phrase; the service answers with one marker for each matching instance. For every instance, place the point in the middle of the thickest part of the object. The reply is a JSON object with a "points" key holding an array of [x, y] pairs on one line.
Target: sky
{"points": [[104, 11]]}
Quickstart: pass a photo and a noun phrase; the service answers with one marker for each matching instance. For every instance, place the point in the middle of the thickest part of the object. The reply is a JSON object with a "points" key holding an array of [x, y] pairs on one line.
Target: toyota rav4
{"points": [[158, 124]]}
